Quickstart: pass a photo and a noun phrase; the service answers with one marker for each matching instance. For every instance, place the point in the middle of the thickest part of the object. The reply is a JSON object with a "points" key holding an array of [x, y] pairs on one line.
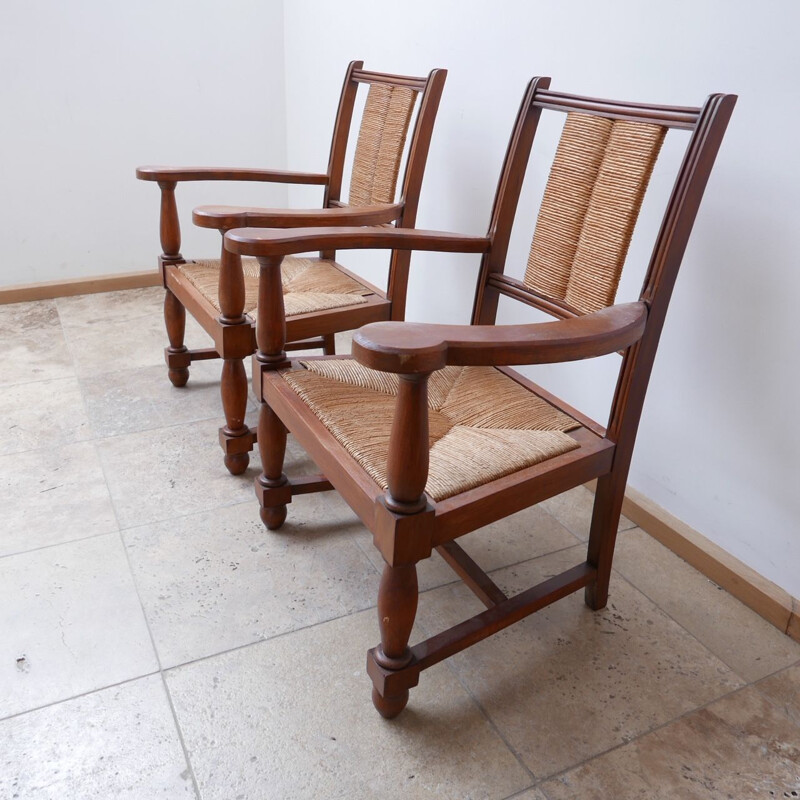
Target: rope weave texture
{"points": [[591, 202], [482, 424], [309, 284]]}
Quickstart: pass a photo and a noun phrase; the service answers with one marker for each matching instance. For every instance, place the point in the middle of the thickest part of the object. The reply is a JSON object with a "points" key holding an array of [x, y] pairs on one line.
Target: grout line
{"points": [[57, 544], [179, 731], [79, 695], [642, 735]]}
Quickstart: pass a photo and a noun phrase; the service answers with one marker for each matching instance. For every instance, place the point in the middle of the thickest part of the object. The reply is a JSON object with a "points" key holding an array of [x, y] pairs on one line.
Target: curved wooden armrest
{"points": [[258, 242], [176, 174], [224, 218], [410, 347]]}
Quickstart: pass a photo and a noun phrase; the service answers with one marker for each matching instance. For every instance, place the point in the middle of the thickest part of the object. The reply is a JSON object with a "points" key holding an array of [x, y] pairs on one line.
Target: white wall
{"points": [[90, 89], [717, 446]]}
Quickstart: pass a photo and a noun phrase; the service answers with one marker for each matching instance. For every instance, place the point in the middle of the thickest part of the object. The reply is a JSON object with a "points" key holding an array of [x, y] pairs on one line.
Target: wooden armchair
{"points": [[427, 433], [322, 297]]}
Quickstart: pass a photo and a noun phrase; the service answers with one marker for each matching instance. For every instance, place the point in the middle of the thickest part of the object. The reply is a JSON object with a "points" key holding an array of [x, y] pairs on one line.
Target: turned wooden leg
{"points": [[272, 447], [175, 319], [234, 403], [397, 608], [329, 344]]}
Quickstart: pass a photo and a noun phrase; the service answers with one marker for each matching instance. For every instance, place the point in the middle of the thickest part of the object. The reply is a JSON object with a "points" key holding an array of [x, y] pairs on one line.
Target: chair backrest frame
{"points": [[707, 125], [429, 90]]}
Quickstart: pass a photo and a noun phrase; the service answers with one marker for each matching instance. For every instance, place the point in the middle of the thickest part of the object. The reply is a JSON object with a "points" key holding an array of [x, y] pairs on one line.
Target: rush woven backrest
{"points": [[590, 206], [381, 141]]}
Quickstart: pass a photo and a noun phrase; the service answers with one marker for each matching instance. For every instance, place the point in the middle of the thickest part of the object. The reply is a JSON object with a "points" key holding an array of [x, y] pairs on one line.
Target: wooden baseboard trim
{"points": [[101, 283], [761, 595]]}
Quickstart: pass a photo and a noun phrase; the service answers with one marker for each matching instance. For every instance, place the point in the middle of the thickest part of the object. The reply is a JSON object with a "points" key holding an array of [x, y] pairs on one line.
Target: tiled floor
{"points": [[156, 641]]}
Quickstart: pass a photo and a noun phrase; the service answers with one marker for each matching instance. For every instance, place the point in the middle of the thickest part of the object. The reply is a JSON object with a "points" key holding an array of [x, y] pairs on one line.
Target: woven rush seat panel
{"points": [[482, 424], [309, 284], [590, 206]]}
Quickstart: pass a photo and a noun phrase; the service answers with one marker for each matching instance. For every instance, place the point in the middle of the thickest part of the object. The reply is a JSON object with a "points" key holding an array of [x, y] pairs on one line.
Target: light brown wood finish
{"points": [[46, 290], [233, 331], [406, 526]]}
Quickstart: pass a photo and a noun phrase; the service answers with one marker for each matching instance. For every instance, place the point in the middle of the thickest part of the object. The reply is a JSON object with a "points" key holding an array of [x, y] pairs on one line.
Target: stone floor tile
{"points": [[213, 581], [568, 683], [520, 537], [292, 717], [20, 318], [738, 747], [783, 690], [51, 496], [42, 413], [573, 509], [35, 355], [141, 399], [70, 622], [116, 743], [169, 472], [745, 641], [109, 308]]}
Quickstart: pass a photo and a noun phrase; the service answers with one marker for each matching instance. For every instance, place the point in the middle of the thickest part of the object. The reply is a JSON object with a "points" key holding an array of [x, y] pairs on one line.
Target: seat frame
{"points": [[406, 526], [232, 330]]}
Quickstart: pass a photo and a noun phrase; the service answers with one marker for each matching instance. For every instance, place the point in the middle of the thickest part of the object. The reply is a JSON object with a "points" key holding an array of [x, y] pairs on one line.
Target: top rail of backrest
{"points": [[684, 117], [408, 81]]}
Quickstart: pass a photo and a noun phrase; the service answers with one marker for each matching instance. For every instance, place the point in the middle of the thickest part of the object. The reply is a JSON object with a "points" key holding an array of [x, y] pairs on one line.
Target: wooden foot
{"points": [[272, 447], [237, 463], [178, 377], [234, 403], [389, 707], [273, 517]]}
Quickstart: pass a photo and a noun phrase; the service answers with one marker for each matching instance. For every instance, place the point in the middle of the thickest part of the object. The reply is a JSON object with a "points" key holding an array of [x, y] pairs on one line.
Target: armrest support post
{"points": [[271, 320], [170, 228], [407, 466], [231, 288]]}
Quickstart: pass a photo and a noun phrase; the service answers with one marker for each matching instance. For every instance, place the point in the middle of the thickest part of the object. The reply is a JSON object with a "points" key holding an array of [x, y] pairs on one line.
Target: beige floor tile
{"points": [[116, 743], [739, 747], [567, 683], [743, 640], [292, 717], [783, 690], [522, 536], [104, 308], [42, 413], [573, 509], [141, 399], [213, 581], [125, 344], [35, 355], [169, 472], [51, 496], [70, 622], [19, 318]]}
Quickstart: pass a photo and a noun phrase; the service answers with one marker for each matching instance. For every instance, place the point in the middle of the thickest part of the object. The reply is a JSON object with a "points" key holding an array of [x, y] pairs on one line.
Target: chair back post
{"points": [[637, 363], [663, 269], [341, 134], [412, 185], [506, 199]]}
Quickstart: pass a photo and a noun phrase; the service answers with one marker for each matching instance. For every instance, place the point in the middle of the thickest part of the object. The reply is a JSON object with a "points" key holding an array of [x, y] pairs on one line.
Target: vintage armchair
{"points": [[322, 297], [427, 433]]}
